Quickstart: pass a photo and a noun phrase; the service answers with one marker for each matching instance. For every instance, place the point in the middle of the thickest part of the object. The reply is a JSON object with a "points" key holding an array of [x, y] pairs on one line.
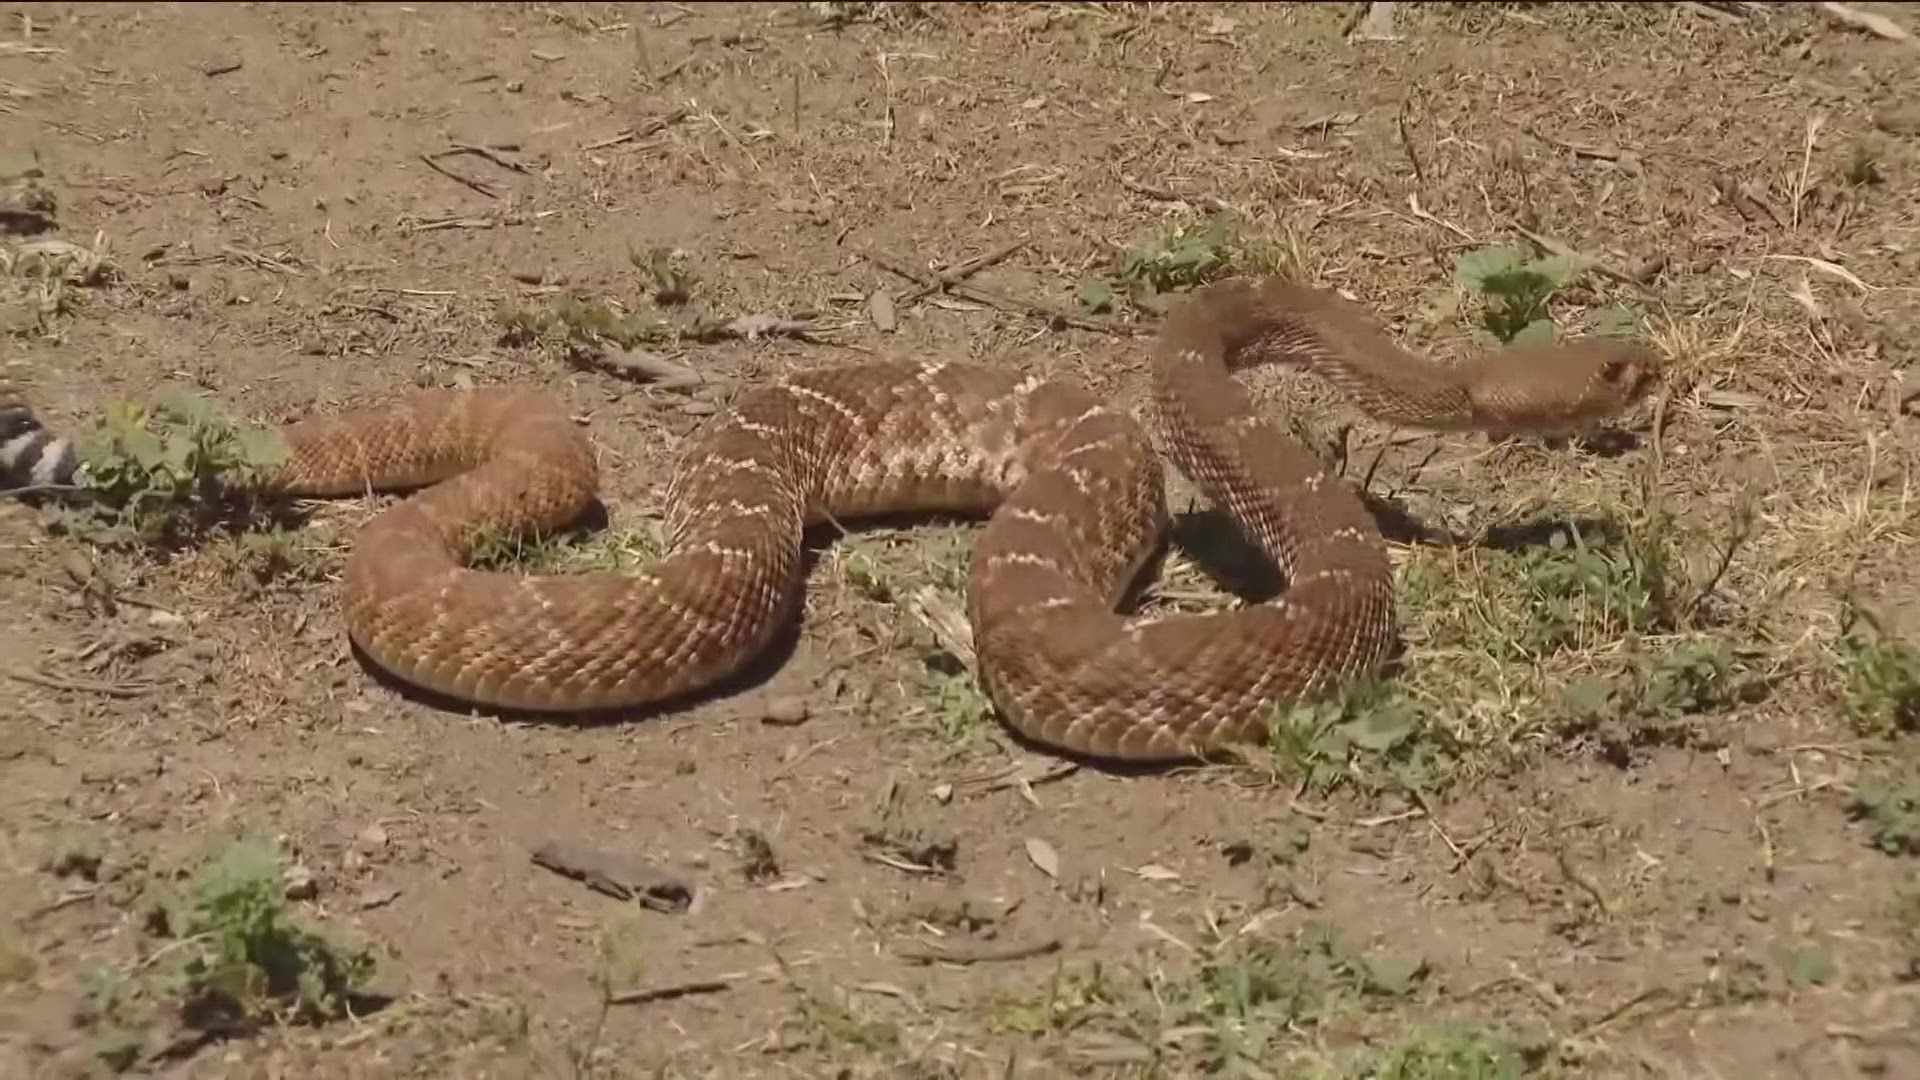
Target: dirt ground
{"points": [[881, 883]]}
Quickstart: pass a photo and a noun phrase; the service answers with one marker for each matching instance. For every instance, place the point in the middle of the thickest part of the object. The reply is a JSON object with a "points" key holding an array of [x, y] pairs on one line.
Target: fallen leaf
{"points": [[1043, 856], [880, 306], [1156, 872]]}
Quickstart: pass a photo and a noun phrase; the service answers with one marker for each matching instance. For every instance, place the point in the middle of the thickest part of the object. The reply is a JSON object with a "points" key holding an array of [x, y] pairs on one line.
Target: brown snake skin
{"points": [[1073, 486]]}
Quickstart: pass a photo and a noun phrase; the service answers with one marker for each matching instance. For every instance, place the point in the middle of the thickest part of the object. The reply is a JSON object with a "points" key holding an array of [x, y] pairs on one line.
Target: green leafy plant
{"points": [[1583, 590], [1882, 697], [1372, 735], [242, 957], [1889, 803], [1654, 700], [1457, 1052], [1515, 287], [151, 473], [1182, 259]]}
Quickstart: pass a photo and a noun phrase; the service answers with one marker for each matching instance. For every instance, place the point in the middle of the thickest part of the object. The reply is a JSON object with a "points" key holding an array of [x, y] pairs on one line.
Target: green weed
{"points": [[156, 474], [1179, 260], [1514, 288], [241, 956], [1372, 735], [1882, 696], [1889, 804], [1651, 702], [1586, 592], [1454, 1052], [1247, 1004], [1904, 914]]}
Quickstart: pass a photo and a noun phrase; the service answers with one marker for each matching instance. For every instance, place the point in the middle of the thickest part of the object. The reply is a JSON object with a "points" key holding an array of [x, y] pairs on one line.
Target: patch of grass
{"points": [[1904, 915], [956, 709], [1889, 803], [832, 1021], [928, 579], [1458, 1052], [1582, 592], [1882, 697], [161, 474], [1247, 1004], [18, 963], [1514, 288], [619, 548], [1650, 702]]}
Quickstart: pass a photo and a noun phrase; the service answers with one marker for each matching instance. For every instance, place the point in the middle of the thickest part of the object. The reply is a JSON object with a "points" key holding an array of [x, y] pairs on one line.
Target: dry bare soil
{"points": [[1642, 802]]}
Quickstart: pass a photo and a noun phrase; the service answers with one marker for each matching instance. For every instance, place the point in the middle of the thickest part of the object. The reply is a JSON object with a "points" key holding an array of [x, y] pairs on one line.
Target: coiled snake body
{"points": [[1073, 487]]}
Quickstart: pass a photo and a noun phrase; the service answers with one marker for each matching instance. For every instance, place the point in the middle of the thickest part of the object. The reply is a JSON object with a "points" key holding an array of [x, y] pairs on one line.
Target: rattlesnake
{"points": [[1073, 486]]}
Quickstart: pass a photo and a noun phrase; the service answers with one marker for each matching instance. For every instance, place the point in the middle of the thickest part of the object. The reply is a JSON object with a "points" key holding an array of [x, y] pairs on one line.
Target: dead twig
{"points": [[650, 126], [1592, 262], [82, 686], [639, 365], [1052, 315], [960, 272], [616, 874], [1866, 21], [457, 178], [489, 153], [986, 954], [647, 995]]}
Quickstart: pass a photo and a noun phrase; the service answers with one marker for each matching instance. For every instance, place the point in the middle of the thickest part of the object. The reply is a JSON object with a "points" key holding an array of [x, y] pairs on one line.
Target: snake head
{"points": [[1563, 389]]}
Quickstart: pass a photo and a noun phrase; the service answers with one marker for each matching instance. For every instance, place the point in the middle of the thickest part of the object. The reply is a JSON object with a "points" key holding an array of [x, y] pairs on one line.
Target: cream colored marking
{"points": [[1037, 517], [846, 412], [756, 427], [1023, 558]]}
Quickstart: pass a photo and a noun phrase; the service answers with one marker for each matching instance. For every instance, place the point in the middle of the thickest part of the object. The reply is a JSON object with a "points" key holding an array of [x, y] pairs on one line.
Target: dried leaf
{"points": [[1156, 872], [1043, 856], [880, 306]]}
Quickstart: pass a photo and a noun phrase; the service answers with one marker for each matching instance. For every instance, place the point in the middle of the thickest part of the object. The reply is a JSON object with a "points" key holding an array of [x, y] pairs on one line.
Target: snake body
{"points": [[1071, 487]]}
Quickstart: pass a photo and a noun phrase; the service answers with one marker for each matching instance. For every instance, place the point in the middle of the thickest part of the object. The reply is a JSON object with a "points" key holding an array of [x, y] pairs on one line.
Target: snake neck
{"points": [[1238, 324]]}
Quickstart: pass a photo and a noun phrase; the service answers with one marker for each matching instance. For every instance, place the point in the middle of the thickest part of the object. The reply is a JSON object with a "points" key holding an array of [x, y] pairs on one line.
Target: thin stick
{"points": [[668, 992], [956, 274], [987, 955], [490, 154], [998, 300], [457, 178], [85, 686]]}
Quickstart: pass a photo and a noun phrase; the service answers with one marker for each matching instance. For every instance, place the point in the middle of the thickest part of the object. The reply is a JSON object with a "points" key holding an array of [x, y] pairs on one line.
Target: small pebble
{"points": [[300, 883], [785, 712]]}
